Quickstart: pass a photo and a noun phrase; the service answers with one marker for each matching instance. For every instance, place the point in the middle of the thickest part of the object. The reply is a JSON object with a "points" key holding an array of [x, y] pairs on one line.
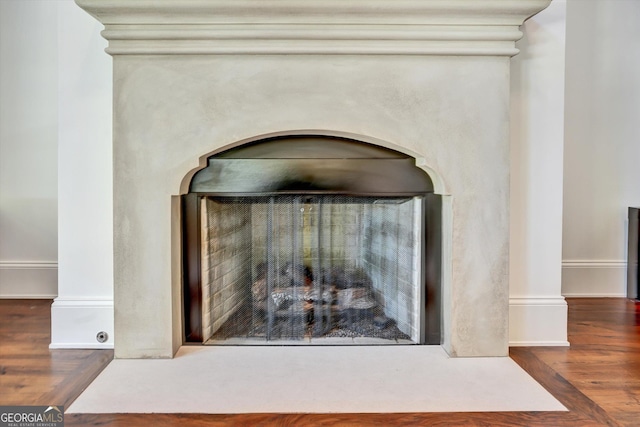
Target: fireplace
{"points": [[311, 240], [425, 81]]}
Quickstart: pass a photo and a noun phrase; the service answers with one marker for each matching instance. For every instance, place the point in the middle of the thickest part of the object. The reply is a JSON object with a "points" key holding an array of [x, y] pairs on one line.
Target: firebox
{"points": [[311, 240]]}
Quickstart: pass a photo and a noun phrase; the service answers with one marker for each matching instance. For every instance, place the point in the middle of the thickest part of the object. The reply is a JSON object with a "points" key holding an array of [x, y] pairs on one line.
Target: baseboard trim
{"points": [[538, 321], [28, 280], [539, 344], [28, 265], [76, 322], [597, 263], [594, 278], [80, 345], [594, 295], [537, 301], [27, 296]]}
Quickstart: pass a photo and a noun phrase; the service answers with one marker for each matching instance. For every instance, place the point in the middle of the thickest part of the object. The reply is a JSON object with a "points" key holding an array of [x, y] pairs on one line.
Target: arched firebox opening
{"points": [[311, 240]]}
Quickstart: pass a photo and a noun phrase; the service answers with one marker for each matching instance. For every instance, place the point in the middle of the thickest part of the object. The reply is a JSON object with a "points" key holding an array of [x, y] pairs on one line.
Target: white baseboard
{"points": [[76, 322], [28, 280], [594, 278], [538, 321]]}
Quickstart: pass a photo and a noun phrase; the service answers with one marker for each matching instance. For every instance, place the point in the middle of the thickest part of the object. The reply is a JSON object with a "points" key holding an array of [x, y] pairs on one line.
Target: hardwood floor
{"points": [[30, 373], [597, 378]]}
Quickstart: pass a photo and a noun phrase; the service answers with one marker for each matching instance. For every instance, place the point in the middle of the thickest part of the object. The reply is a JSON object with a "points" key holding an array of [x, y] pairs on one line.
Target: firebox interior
{"points": [[311, 240]]}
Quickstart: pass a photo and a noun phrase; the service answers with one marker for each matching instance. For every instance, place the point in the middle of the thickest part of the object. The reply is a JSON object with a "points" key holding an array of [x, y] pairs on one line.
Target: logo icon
{"points": [[31, 416]]}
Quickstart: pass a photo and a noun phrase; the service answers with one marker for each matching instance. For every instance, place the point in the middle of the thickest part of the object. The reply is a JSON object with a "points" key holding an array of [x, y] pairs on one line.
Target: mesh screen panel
{"points": [[311, 269]]}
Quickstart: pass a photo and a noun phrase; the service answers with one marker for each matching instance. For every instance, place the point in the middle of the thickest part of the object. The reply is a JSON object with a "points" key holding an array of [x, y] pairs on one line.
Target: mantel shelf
{"points": [[374, 27]]}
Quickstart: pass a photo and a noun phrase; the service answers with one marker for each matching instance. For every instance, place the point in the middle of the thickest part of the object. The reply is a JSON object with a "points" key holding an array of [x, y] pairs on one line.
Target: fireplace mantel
{"points": [[427, 78], [380, 27]]}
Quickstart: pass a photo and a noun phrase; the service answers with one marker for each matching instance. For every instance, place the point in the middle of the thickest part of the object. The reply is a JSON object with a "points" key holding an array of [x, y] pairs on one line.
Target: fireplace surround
{"points": [[429, 79]]}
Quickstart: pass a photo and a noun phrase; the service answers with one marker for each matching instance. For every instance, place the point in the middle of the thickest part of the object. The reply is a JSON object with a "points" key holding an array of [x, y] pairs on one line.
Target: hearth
{"points": [[311, 240]]}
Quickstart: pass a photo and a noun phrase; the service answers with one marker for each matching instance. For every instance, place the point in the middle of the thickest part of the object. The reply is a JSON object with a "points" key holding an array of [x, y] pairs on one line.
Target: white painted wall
{"points": [[602, 143], [84, 305], [537, 310], [28, 149]]}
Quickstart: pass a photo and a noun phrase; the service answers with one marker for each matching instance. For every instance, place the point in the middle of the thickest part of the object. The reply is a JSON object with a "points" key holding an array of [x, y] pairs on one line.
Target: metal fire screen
{"points": [[313, 240], [319, 269]]}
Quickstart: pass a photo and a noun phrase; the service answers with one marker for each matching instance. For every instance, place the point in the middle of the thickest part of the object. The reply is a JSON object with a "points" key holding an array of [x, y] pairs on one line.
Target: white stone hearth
{"points": [[426, 78], [235, 380]]}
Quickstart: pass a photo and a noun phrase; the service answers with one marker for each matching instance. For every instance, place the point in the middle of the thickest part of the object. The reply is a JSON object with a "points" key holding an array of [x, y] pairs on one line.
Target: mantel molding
{"points": [[377, 27]]}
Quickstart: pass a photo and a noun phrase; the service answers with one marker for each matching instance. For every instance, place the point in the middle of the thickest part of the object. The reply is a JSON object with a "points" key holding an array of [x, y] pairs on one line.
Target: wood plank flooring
{"points": [[30, 373], [597, 378]]}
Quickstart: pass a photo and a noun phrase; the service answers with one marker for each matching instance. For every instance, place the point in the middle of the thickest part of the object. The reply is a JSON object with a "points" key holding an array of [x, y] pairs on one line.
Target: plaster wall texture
{"points": [[449, 112]]}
